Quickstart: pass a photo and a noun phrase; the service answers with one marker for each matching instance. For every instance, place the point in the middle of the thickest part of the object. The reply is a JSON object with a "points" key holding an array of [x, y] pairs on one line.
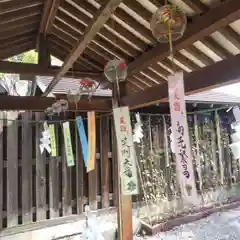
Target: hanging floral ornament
{"points": [[57, 107], [168, 23], [137, 131], [87, 86], [45, 140], [116, 70]]}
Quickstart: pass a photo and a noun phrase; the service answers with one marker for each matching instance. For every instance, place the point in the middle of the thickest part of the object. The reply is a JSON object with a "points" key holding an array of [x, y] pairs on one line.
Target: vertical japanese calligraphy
{"points": [[181, 140], [52, 140], [68, 144], [83, 139], [91, 141], [126, 154]]}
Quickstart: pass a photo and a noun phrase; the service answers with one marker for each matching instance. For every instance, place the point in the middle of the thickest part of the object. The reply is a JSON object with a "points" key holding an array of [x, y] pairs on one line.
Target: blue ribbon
{"points": [[83, 139]]}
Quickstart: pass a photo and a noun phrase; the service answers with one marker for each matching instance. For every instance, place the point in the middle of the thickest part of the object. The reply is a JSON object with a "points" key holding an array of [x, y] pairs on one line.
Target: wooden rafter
{"points": [[196, 5], [93, 28], [42, 103], [48, 16], [202, 26], [9, 6], [216, 75], [35, 69]]}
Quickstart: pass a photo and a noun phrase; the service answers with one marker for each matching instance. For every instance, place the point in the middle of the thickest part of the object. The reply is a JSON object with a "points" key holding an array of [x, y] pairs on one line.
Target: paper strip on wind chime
{"points": [[91, 141], [184, 164], [83, 139], [126, 153], [68, 144], [52, 140]]}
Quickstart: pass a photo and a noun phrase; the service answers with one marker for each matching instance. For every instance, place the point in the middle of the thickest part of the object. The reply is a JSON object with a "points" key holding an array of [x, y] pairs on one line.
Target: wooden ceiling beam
{"points": [[93, 28], [61, 54], [9, 45], [19, 31], [9, 6], [111, 23], [16, 40], [90, 60], [18, 49], [202, 26], [199, 55], [32, 103], [216, 75], [48, 16], [196, 5], [104, 41], [19, 23], [35, 69], [231, 36], [20, 14], [215, 47]]}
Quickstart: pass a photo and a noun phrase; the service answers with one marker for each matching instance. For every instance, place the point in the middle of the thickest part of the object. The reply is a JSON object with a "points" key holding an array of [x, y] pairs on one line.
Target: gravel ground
{"points": [[219, 226]]}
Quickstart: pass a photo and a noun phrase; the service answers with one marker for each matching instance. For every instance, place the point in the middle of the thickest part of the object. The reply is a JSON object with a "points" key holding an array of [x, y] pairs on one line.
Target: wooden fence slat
{"points": [[66, 182], [93, 180], [79, 174], [54, 181], [40, 172], [114, 166], [104, 140], [26, 168], [1, 170], [12, 172]]}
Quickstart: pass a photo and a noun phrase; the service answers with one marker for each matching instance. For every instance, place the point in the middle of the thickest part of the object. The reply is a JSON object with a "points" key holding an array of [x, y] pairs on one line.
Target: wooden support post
{"points": [[124, 203]]}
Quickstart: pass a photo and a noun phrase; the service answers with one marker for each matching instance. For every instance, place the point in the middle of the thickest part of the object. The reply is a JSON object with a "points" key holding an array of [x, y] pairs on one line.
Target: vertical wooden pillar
{"points": [[1, 169], [124, 203], [40, 171], [44, 59], [27, 163], [12, 171]]}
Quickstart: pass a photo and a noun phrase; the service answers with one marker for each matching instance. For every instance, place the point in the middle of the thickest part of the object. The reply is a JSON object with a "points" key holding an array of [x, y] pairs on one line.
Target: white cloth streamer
{"points": [[45, 140], [138, 131]]}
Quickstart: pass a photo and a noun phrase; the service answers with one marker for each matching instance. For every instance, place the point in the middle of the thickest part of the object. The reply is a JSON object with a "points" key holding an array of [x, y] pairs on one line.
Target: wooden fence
{"points": [[35, 186]]}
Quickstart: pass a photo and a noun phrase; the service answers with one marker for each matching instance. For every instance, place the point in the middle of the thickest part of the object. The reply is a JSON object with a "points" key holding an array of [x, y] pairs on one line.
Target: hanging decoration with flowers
{"points": [[87, 86]]}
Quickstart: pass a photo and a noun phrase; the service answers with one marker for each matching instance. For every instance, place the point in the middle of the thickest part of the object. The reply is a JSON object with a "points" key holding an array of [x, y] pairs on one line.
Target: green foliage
{"points": [[27, 57]]}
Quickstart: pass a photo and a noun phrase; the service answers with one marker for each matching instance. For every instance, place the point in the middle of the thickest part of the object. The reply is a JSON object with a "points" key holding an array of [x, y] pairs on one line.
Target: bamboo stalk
{"points": [[220, 150], [198, 160]]}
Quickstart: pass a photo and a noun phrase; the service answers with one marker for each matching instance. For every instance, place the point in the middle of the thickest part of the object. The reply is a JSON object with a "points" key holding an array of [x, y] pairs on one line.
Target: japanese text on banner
{"points": [[68, 144], [53, 140], [126, 154], [83, 139], [181, 140]]}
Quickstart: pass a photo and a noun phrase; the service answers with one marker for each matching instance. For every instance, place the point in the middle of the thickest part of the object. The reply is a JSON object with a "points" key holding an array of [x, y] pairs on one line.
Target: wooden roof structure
{"points": [[86, 34]]}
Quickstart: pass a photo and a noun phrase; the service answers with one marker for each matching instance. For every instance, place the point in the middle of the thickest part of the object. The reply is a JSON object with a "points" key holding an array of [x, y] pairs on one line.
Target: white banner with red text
{"points": [[183, 152], [126, 153]]}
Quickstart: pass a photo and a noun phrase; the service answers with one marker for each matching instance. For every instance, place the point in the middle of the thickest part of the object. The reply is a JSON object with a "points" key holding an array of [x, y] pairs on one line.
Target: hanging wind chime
{"points": [[116, 71], [87, 86], [168, 24]]}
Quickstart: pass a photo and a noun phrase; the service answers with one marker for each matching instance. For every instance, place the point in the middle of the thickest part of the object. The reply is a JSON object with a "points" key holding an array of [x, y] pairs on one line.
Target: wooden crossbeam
{"points": [[35, 69], [221, 73], [202, 26], [32, 103], [93, 28]]}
